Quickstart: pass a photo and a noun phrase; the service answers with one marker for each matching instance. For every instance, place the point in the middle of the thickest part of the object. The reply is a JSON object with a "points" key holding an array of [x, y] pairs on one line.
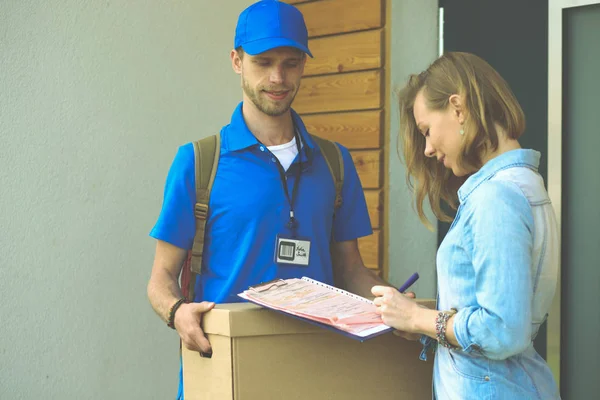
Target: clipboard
{"points": [[320, 304]]}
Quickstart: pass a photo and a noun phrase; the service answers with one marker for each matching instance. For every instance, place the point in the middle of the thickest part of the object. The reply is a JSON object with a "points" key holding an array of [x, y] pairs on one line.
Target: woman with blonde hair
{"points": [[497, 266]]}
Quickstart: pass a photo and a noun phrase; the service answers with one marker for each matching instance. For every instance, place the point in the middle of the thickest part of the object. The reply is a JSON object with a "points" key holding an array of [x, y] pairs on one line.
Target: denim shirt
{"points": [[498, 267]]}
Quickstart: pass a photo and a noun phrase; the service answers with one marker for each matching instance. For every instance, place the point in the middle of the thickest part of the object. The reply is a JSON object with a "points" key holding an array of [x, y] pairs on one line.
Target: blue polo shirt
{"points": [[248, 209]]}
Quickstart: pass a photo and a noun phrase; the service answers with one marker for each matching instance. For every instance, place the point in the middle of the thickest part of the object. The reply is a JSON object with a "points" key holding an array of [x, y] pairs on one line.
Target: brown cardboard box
{"points": [[260, 354]]}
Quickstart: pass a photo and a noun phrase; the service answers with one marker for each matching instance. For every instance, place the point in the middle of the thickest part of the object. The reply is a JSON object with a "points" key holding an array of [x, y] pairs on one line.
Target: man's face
{"points": [[270, 80]]}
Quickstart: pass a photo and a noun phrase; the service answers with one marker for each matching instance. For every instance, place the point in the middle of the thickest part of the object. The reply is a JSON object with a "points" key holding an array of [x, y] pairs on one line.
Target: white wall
{"points": [[95, 97], [414, 41]]}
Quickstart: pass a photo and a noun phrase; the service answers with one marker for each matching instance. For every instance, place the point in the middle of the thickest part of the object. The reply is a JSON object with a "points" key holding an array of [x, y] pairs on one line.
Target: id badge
{"points": [[292, 251]]}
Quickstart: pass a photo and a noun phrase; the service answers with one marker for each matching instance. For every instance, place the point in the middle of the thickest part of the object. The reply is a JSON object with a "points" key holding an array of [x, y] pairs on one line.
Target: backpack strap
{"points": [[206, 159], [333, 156]]}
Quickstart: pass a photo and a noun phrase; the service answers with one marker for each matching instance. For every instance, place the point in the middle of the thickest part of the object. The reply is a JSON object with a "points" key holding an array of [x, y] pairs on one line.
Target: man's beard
{"points": [[264, 105]]}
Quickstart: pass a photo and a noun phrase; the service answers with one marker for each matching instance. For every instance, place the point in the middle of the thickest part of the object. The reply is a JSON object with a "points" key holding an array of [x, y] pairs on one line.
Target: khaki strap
{"points": [[206, 158], [333, 156]]}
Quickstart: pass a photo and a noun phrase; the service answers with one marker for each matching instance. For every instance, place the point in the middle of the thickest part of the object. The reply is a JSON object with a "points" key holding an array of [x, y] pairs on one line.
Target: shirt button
{"points": [[262, 148], [273, 159], [487, 378]]}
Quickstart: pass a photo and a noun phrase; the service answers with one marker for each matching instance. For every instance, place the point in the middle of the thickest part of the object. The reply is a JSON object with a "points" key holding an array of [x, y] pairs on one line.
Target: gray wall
{"points": [[414, 45], [580, 277], [95, 97]]}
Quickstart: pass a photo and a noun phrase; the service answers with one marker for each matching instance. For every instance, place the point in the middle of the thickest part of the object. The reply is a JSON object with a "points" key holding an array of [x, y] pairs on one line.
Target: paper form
{"points": [[319, 302]]}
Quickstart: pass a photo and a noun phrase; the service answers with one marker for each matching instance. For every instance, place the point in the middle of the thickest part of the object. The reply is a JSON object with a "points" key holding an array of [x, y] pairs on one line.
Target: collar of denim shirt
{"points": [[513, 158], [239, 136]]}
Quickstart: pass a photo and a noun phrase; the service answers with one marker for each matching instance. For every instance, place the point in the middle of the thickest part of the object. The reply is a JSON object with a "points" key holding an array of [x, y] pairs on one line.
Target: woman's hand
{"points": [[406, 335], [397, 310]]}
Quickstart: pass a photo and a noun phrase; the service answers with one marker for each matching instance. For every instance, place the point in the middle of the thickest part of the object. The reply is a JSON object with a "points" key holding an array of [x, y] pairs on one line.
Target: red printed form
{"points": [[319, 302]]}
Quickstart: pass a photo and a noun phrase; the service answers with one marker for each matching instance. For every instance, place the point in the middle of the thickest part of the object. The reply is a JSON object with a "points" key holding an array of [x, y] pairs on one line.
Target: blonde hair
{"points": [[487, 101]]}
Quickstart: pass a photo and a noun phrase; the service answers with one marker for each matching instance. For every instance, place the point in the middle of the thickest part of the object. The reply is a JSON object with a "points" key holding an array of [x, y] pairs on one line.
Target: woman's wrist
{"points": [[424, 322], [441, 327]]}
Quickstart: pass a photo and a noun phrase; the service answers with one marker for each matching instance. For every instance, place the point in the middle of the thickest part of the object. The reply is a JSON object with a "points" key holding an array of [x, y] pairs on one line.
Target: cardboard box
{"points": [[261, 354]]}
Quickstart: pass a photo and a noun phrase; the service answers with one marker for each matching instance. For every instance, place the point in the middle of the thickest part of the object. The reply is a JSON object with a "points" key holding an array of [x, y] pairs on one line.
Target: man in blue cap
{"points": [[272, 183]]}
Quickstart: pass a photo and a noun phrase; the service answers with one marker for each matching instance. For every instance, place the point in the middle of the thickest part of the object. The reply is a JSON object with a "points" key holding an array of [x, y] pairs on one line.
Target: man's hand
{"points": [[187, 323], [164, 290]]}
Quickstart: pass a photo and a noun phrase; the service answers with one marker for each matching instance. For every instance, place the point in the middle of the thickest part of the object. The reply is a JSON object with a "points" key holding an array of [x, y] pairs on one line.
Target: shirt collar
{"points": [[513, 158], [239, 136]]}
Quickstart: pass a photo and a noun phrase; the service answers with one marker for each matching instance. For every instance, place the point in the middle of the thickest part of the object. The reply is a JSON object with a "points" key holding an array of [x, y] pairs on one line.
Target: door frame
{"points": [[555, 98]]}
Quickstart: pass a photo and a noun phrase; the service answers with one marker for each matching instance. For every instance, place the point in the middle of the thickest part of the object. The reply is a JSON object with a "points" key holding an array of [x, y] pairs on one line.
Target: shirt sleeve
{"points": [[176, 224], [501, 238], [352, 218]]}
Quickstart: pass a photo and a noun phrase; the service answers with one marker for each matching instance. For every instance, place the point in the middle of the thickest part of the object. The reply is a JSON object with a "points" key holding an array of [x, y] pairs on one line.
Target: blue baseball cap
{"points": [[268, 24]]}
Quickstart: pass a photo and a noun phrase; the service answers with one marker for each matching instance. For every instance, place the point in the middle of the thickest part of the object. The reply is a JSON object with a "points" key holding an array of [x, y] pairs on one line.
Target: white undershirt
{"points": [[285, 153]]}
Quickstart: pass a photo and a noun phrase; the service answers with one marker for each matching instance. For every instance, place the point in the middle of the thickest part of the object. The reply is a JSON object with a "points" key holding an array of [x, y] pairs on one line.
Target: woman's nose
{"points": [[429, 150]]}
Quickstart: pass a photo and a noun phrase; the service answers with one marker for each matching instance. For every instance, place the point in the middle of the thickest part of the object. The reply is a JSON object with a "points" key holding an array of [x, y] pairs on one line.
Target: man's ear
{"points": [[458, 107], [236, 61]]}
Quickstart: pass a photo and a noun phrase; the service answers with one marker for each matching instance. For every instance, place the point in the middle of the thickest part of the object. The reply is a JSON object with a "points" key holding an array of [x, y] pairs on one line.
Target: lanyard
{"points": [[293, 222]]}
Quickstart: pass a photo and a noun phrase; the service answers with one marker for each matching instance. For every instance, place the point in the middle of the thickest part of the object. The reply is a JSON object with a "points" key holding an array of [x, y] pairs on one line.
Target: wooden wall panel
{"points": [[368, 165], [342, 96], [327, 17], [370, 248], [355, 130], [345, 53], [374, 206], [339, 92]]}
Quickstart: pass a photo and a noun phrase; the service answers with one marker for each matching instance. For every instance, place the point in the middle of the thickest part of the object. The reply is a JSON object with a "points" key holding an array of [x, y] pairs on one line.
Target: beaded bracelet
{"points": [[172, 311], [441, 322]]}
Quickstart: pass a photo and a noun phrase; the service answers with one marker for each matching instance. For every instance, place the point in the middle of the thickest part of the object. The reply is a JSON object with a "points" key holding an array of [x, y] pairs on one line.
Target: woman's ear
{"points": [[458, 108]]}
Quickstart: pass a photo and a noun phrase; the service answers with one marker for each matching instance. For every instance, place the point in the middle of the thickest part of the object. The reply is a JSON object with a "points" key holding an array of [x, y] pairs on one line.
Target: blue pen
{"points": [[413, 278]]}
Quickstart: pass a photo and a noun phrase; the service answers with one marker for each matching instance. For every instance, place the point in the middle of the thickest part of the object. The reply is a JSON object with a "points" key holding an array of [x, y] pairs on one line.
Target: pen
{"points": [[413, 278]]}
